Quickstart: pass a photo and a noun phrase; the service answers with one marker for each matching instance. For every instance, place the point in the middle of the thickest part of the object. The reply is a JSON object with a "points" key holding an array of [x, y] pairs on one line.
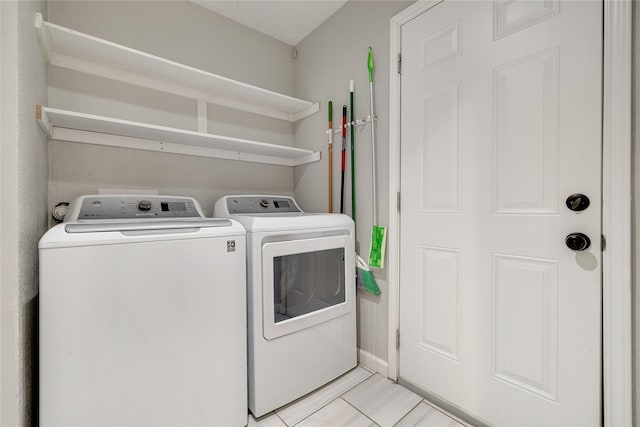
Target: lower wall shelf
{"points": [[91, 129]]}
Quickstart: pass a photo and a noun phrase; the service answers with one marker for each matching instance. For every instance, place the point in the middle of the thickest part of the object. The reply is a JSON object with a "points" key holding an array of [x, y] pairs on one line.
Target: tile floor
{"points": [[359, 398]]}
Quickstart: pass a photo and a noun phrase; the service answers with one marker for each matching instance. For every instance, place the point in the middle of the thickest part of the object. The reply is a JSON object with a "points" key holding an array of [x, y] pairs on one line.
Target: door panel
{"points": [[501, 121]]}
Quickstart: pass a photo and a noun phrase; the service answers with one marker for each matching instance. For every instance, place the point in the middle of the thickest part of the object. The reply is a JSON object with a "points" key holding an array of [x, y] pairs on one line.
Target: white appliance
{"points": [[142, 315], [300, 296]]}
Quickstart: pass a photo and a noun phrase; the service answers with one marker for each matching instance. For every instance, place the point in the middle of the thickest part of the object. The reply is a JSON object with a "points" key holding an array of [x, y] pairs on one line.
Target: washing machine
{"points": [[300, 296], [142, 315]]}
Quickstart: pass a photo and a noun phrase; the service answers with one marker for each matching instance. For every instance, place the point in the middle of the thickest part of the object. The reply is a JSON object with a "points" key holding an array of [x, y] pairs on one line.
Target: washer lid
{"points": [[133, 226], [118, 233]]}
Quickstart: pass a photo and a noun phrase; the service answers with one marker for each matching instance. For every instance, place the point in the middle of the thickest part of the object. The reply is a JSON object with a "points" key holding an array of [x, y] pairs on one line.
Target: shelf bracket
{"points": [[43, 121], [43, 37], [305, 113], [202, 116]]}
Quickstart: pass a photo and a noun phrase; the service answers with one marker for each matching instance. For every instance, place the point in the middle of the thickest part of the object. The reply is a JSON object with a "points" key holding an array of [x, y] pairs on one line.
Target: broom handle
{"points": [[353, 156], [344, 148], [330, 157]]}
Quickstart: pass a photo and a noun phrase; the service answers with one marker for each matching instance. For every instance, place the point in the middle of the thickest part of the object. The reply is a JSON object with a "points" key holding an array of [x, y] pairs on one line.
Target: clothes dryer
{"points": [[142, 315], [300, 296]]}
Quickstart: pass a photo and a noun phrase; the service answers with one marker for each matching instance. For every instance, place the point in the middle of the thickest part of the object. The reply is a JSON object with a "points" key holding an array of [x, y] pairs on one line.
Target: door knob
{"points": [[578, 202], [577, 242]]}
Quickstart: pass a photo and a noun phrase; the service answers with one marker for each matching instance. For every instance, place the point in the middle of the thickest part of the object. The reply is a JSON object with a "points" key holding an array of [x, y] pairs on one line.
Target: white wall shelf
{"points": [[74, 50], [91, 129]]}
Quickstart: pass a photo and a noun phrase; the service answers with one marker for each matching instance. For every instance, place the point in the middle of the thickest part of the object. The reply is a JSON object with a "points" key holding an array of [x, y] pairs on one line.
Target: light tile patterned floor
{"points": [[359, 398]]}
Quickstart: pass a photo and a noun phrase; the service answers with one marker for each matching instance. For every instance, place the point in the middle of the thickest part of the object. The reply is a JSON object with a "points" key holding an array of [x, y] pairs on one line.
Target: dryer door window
{"points": [[306, 282]]}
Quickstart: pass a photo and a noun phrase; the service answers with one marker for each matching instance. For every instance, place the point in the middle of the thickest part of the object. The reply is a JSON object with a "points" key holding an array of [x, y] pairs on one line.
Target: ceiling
{"points": [[286, 20]]}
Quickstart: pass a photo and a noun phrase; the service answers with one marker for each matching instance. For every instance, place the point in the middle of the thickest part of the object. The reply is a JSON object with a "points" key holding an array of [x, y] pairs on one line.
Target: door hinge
{"points": [[399, 63], [398, 201], [397, 339], [603, 243]]}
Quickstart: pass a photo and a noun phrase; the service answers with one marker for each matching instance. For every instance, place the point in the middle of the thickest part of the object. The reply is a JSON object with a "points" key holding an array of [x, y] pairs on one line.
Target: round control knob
{"points": [[144, 205], [264, 203], [577, 242]]}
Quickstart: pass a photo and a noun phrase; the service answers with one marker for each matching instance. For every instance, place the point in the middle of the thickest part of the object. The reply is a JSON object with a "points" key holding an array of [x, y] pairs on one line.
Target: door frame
{"points": [[616, 204]]}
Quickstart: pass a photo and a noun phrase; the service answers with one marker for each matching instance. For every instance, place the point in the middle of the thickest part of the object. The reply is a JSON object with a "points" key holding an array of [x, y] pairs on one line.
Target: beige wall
{"points": [[23, 210], [9, 387], [183, 32], [328, 58], [636, 206]]}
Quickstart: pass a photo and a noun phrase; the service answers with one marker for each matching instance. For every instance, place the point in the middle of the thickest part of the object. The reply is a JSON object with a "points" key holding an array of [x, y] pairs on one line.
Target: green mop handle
{"points": [[373, 138], [370, 64]]}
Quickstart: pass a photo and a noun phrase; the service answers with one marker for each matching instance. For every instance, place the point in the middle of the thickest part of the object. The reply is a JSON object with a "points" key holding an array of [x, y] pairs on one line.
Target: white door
{"points": [[501, 122]]}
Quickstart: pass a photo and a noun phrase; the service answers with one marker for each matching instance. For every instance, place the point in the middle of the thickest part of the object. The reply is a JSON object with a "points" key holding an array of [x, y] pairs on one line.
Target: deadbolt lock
{"points": [[578, 202]]}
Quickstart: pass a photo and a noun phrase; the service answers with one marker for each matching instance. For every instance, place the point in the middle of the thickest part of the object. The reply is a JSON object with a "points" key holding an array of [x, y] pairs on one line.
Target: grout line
{"points": [[357, 384], [371, 374], [368, 417], [453, 417], [339, 397], [408, 412], [280, 418], [318, 390], [322, 407], [442, 404], [404, 415]]}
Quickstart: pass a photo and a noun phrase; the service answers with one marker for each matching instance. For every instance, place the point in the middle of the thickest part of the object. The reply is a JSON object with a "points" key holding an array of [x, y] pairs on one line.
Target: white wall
{"points": [[328, 58], [183, 32], [24, 199]]}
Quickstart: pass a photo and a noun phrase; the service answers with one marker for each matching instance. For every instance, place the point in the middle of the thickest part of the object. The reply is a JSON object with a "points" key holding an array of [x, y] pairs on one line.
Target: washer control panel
{"points": [[261, 204], [109, 207]]}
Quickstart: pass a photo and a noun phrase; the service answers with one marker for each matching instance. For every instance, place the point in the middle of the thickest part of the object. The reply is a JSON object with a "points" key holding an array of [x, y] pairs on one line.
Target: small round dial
{"points": [[144, 205], [264, 203]]}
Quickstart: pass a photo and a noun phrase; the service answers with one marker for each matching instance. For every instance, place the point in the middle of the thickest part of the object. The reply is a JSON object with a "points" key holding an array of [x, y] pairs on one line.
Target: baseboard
{"points": [[372, 362]]}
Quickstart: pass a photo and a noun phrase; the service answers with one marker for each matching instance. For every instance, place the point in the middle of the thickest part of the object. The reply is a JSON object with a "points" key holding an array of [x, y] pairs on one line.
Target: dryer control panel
{"points": [[113, 207], [260, 204]]}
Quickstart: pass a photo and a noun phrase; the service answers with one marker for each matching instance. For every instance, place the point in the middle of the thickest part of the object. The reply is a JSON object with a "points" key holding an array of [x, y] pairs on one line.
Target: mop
{"points": [[378, 232], [366, 276]]}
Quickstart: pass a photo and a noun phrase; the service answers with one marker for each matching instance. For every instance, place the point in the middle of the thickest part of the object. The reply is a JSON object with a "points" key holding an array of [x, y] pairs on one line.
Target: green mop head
{"points": [[378, 244], [366, 277]]}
